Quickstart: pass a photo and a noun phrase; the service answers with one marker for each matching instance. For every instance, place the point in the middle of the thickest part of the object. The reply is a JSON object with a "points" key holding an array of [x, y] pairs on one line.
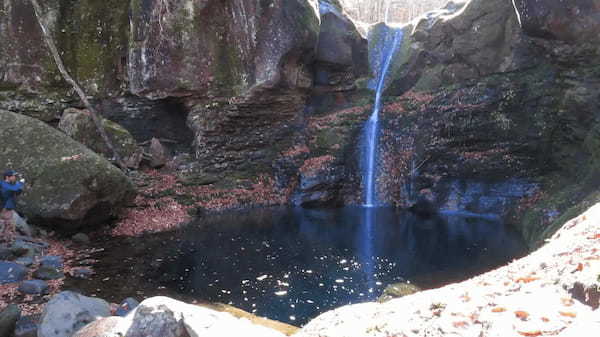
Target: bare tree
{"points": [[67, 77], [371, 11]]}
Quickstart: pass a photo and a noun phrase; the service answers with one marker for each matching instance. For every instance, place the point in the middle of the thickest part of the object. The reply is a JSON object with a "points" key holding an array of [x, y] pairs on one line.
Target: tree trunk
{"points": [[65, 74]]}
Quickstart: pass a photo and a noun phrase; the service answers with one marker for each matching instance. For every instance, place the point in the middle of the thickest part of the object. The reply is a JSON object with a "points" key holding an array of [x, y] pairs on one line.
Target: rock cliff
{"points": [[491, 105]]}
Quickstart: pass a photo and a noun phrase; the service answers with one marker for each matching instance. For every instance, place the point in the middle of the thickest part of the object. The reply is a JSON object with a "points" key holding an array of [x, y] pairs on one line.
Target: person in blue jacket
{"points": [[10, 188]]}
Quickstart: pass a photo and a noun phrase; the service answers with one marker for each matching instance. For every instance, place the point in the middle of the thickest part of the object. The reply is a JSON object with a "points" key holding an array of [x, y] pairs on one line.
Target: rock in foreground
{"points": [[68, 312], [67, 184], [165, 317]]}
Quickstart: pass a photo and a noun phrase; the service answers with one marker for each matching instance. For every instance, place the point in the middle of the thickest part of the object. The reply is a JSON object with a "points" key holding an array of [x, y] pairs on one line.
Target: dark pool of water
{"points": [[292, 264]]}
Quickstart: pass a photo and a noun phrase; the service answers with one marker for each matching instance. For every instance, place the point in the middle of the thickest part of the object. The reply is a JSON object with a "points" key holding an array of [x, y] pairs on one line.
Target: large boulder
{"points": [[67, 312], [67, 184], [165, 317], [80, 126]]}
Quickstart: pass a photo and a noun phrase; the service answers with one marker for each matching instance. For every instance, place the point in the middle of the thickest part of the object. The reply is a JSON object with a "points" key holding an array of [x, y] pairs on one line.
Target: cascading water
{"points": [[390, 42]]}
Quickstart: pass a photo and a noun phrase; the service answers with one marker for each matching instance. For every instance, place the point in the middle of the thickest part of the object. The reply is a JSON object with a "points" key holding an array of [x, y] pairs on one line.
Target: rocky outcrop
{"points": [[467, 39], [67, 184], [482, 116], [79, 125], [68, 312], [341, 56], [239, 73], [181, 48]]}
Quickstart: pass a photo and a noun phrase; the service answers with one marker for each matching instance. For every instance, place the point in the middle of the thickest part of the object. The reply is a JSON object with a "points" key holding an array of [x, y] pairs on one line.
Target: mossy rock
{"points": [[68, 185], [398, 290], [79, 125]]}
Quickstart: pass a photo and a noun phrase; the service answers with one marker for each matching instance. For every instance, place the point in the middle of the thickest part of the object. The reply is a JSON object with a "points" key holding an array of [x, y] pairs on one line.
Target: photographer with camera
{"points": [[10, 188]]}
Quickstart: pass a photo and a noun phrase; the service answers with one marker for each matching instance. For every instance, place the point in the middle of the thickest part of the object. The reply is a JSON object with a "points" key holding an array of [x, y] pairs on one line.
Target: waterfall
{"points": [[391, 41]]}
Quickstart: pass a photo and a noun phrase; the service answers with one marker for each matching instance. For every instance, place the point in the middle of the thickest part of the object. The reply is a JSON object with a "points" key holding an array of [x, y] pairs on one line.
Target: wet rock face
{"points": [[570, 21], [464, 40], [219, 48], [222, 79]]}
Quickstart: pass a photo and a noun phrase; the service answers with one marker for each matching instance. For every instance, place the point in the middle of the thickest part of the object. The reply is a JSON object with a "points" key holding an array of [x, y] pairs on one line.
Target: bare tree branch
{"points": [[67, 77]]}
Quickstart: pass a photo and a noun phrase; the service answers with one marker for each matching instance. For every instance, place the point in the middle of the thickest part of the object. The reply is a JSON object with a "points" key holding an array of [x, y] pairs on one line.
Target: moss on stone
{"points": [[93, 38]]}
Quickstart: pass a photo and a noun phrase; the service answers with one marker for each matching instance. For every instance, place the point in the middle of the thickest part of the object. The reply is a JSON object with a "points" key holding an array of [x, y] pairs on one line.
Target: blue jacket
{"points": [[9, 193]]}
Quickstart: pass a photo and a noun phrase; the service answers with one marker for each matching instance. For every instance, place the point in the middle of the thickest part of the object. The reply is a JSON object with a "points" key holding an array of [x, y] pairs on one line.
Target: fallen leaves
{"points": [[498, 309], [526, 279], [567, 302], [522, 315], [530, 333], [460, 324], [567, 314], [316, 163], [158, 206]]}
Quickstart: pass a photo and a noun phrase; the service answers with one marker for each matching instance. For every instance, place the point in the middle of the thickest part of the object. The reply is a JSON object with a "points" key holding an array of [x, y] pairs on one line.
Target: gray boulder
{"points": [[158, 317], [8, 320], [34, 287], [25, 261], [67, 312], [48, 273], [79, 125], [165, 317], [22, 225], [27, 247], [52, 261], [91, 189], [158, 154], [104, 327], [11, 272]]}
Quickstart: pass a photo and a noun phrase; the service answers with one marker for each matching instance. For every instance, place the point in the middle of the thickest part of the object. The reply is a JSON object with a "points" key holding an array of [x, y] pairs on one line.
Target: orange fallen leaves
{"points": [[460, 324], [567, 302], [523, 315], [594, 237], [530, 333], [526, 279], [568, 314], [498, 309]]}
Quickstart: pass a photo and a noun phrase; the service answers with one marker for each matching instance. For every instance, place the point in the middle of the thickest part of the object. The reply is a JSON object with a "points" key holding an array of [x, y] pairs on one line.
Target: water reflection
{"points": [[292, 264]]}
